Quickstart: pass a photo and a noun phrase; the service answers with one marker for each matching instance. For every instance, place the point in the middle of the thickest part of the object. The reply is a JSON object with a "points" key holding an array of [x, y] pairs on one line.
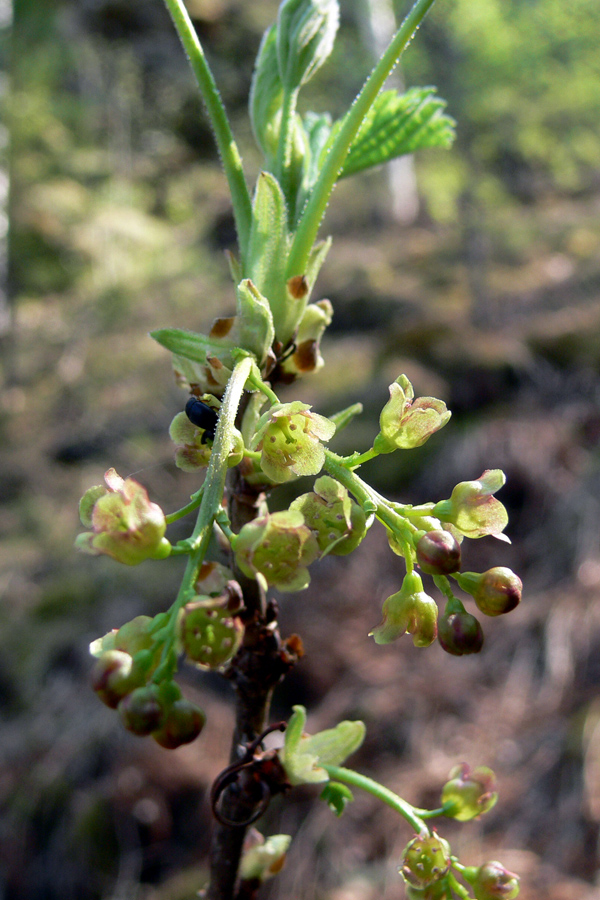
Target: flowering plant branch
{"points": [[236, 427]]}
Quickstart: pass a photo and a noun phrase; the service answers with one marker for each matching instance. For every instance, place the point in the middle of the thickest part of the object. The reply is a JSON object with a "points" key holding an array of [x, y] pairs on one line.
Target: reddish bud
{"points": [[114, 676], [183, 723], [460, 633], [495, 592], [142, 711], [438, 553]]}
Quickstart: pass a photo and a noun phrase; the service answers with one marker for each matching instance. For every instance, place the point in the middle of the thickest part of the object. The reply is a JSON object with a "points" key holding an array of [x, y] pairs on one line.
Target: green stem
{"points": [[349, 776], [355, 461], [314, 211], [228, 150], [185, 510], [212, 495], [369, 499]]}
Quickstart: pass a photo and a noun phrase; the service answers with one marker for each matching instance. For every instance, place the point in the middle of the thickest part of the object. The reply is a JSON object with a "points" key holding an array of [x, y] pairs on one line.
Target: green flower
{"points": [[493, 882], [126, 525], [209, 633], [472, 507], [469, 793], [407, 423], [338, 523], [425, 861], [409, 610], [303, 756], [289, 438], [276, 549]]}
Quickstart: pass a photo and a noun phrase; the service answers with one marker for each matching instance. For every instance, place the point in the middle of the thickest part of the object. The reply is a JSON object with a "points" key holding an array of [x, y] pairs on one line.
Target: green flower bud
{"points": [[493, 882], [114, 676], [276, 549], [338, 523], [495, 592], [438, 553], [469, 793], [143, 710], [407, 423], [208, 633], [459, 633], [473, 509], [307, 355], [289, 438], [135, 635], [306, 31], [410, 610], [425, 861], [126, 525], [183, 723], [262, 859]]}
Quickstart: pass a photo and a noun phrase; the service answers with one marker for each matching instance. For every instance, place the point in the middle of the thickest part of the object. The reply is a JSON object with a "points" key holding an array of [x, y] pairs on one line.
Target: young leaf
{"points": [[266, 95], [306, 31], [398, 124], [268, 251], [255, 321], [190, 345]]}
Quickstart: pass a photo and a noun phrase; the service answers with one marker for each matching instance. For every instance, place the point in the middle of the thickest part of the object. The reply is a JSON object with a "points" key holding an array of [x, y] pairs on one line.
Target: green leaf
{"points": [[266, 95], [398, 124], [306, 30], [193, 346], [303, 756], [267, 252], [255, 321], [337, 796]]}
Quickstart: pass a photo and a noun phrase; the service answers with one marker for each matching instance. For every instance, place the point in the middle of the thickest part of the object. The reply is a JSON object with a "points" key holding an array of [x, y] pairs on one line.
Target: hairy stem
{"points": [[314, 210], [228, 150]]}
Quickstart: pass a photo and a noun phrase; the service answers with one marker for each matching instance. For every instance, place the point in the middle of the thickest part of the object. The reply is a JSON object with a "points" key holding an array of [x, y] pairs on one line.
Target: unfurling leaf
{"points": [[398, 124]]}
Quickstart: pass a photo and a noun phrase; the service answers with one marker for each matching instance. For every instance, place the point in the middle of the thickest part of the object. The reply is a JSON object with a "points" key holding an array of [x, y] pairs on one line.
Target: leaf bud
{"points": [[472, 507], [492, 881], [183, 723], [407, 423], [143, 710], [425, 861], [438, 553], [306, 31], [469, 793], [409, 610], [459, 633], [495, 592]]}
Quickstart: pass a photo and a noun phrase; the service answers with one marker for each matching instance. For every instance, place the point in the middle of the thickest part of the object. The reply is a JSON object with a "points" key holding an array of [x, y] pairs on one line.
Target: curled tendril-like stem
{"points": [[250, 765]]}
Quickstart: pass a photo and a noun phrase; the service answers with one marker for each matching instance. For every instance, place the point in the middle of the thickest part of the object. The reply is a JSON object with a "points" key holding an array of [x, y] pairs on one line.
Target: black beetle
{"points": [[202, 416]]}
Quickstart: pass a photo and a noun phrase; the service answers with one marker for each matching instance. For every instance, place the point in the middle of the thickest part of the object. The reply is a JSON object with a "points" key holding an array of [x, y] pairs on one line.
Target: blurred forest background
{"points": [[477, 273]]}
